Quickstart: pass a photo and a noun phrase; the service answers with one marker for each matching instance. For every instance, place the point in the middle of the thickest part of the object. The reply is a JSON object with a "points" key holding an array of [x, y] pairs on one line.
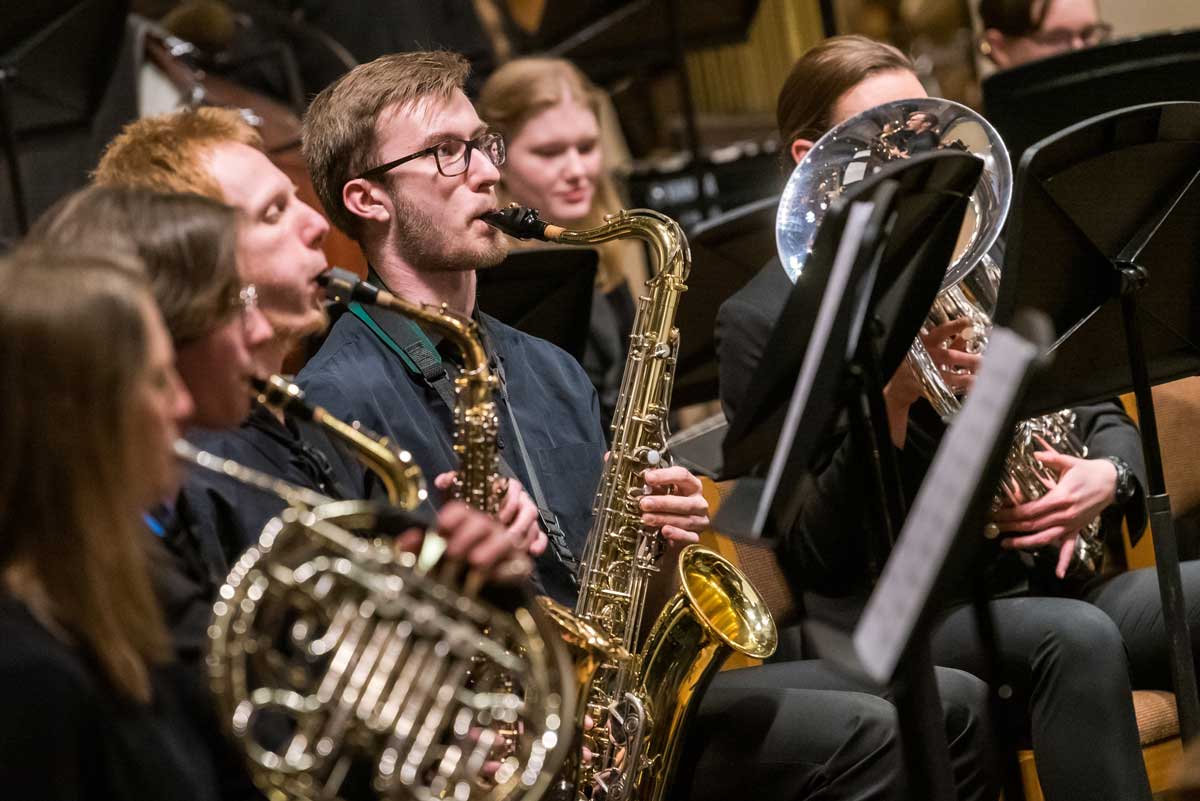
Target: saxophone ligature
{"points": [[860, 146], [340, 664], [643, 696]]}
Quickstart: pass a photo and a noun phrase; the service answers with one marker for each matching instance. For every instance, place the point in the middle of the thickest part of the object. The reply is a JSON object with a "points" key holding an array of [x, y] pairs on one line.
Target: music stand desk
{"points": [[546, 292]]}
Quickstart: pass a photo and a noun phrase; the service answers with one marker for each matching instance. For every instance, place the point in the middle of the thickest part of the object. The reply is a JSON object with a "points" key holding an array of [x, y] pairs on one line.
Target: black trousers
{"points": [[1072, 665], [801, 730]]}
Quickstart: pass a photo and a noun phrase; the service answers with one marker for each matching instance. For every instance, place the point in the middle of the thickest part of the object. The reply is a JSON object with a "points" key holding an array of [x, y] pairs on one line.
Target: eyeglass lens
{"points": [[454, 157]]}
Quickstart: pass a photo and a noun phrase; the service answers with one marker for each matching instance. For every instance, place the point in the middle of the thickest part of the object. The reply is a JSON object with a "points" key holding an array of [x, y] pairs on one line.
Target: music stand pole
{"points": [[1158, 502], [690, 132], [8, 137], [918, 705]]}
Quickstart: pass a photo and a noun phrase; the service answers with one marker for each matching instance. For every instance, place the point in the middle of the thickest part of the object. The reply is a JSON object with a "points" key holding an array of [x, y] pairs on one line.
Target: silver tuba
{"points": [[345, 668], [859, 147]]}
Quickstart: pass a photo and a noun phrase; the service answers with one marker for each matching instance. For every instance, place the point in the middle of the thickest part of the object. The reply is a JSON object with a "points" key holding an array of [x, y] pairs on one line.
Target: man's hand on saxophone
{"points": [[675, 503], [518, 514], [478, 541]]}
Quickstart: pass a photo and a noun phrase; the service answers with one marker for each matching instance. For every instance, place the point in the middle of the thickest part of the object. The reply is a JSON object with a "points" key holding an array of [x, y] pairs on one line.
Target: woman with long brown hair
{"points": [[91, 407]]}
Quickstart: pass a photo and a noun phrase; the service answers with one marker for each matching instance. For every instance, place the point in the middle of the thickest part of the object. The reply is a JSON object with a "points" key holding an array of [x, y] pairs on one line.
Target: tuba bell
{"points": [[859, 147]]}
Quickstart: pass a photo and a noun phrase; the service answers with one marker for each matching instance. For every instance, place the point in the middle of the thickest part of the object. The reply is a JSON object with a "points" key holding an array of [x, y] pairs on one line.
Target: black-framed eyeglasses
{"points": [[452, 156], [1063, 39]]}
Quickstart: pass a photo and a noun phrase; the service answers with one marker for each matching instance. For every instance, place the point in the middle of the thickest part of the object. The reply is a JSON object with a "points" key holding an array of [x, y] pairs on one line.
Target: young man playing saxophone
{"points": [[405, 166], [214, 152]]}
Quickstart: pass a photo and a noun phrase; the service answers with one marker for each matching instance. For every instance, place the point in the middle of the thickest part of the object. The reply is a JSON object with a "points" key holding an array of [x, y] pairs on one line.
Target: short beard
{"points": [[428, 249]]}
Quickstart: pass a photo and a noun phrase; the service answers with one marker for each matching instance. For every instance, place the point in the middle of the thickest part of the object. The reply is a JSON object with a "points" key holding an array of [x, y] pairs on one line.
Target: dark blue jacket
{"points": [[357, 376], [228, 516]]}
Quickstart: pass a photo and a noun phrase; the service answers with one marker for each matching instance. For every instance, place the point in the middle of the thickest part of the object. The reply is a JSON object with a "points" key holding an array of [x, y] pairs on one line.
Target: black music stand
{"points": [[613, 39], [876, 266], [726, 253], [1105, 238], [932, 188], [546, 292], [56, 59], [1033, 101]]}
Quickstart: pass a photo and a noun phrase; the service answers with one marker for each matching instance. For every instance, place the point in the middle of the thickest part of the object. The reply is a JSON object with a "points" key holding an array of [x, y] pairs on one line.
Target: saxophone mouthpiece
{"points": [[282, 395], [522, 223], [343, 286]]}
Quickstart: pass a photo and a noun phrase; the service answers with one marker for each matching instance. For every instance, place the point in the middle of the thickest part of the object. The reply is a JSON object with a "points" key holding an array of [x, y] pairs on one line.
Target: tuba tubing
{"points": [[898, 129]]}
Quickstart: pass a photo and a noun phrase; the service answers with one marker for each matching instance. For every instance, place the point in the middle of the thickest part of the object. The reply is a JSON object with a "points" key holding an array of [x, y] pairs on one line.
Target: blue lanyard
{"points": [[155, 526]]}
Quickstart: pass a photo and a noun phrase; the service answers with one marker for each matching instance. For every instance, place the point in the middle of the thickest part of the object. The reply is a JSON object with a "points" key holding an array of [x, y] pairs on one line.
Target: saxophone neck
{"points": [[668, 246], [344, 286], [401, 478]]}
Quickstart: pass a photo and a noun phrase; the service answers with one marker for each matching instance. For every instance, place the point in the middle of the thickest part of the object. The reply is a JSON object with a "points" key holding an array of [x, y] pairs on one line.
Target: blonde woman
{"points": [[553, 121]]}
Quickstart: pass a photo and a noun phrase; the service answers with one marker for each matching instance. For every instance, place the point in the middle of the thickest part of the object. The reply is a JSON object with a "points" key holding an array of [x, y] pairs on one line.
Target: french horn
{"points": [[344, 668]]}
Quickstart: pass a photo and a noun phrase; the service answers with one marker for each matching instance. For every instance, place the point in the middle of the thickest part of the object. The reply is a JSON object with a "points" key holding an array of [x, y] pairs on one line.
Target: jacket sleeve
{"points": [[827, 549], [742, 334], [1108, 431]]}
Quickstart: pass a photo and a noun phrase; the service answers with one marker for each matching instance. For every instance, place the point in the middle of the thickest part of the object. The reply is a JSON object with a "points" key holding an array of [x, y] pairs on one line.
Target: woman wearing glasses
{"points": [[1019, 31]]}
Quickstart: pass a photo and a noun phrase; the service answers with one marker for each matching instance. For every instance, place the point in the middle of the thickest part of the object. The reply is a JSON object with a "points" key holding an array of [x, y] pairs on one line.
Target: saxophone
{"points": [[339, 664], [477, 481], [402, 479], [641, 699]]}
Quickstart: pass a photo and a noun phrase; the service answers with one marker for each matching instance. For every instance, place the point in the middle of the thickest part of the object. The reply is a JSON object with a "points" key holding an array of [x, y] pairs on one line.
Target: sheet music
{"points": [[856, 223], [937, 514]]}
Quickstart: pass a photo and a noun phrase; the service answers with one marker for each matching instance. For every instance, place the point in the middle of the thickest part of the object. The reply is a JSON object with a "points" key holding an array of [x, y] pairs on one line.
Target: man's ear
{"points": [[995, 46], [367, 200], [800, 148]]}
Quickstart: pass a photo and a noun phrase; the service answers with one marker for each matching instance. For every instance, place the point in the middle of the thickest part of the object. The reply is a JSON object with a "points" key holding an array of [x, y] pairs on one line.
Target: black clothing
{"points": [[185, 583], [744, 323], [821, 558], [186, 586], [1066, 664], [1065, 658], [228, 516], [1132, 600], [803, 730], [356, 376], [852, 756], [825, 547], [66, 735]]}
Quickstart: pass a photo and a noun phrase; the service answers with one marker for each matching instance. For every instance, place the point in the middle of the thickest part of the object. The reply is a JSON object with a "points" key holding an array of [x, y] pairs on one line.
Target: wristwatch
{"points": [[1126, 483]]}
